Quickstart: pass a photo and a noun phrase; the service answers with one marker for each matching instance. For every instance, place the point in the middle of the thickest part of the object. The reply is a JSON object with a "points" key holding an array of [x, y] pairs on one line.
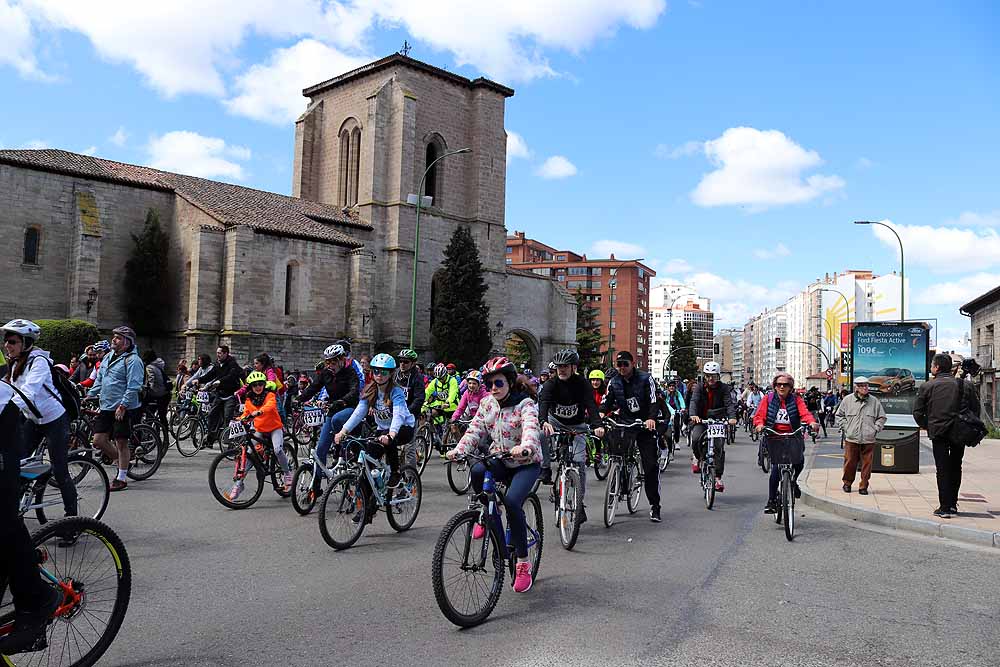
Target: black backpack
{"points": [[966, 428], [67, 394]]}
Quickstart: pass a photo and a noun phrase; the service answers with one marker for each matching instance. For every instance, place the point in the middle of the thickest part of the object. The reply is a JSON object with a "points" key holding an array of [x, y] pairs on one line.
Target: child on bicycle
{"points": [[508, 415], [474, 394], [262, 404]]}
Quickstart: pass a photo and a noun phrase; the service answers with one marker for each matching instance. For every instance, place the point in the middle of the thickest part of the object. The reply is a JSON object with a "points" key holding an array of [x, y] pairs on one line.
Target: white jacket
{"points": [[36, 383]]}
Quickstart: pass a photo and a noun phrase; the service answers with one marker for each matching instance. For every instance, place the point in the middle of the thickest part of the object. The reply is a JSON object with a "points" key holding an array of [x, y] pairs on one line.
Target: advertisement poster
{"points": [[893, 356]]}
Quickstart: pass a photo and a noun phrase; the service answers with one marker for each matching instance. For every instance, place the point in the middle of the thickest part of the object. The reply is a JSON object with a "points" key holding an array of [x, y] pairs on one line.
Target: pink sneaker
{"points": [[522, 577], [478, 531], [695, 469], [287, 480], [719, 486]]}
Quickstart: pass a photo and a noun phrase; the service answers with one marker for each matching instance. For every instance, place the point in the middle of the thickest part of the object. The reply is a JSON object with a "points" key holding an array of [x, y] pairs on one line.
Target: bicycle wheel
{"points": [[403, 506], [633, 481], [421, 448], [536, 531], [185, 436], [708, 484], [788, 505], [459, 476], [612, 492], [92, 490], [303, 496], [601, 461], [146, 452], [277, 476], [234, 486], [467, 574], [568, 507], [95, 576], [343, 511]]}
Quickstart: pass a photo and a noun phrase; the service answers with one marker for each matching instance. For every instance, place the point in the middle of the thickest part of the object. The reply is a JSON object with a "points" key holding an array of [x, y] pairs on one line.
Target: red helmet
{"points": [[500, 365], [451, 367]]}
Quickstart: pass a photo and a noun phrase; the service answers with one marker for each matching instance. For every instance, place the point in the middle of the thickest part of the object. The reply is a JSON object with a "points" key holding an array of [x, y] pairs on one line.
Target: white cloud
{"points": [[272, 92], [17, 42], [943, 249], [973, 219], [36, 144], [958, 292], [780, 250], [735, 301], [119, 137], [620, 249], [516, 147], [864, 163], [90, 150], [760, 169], [675, 265], [557, 167], [686, 149], [954, 339], [196, 155]]}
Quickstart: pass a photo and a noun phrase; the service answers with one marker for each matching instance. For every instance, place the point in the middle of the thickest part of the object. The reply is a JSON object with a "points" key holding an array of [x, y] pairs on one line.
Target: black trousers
{"points": [[18, 558], [649, 454], [222, 413], [948, 461], [700, 446]]}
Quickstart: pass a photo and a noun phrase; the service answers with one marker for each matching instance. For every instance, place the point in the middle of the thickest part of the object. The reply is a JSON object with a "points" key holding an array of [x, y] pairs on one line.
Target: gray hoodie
{"points": [[155, 378]]}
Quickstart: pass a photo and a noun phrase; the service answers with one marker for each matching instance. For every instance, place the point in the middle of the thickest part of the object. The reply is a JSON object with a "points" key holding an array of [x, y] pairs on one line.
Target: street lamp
{"points": [[902, 274], [612, 285], [419, 200], [670, 315]]}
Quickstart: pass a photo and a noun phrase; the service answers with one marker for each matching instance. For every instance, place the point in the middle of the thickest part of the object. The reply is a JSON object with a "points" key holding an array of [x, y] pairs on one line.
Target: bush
{"points": [[64, 338]]}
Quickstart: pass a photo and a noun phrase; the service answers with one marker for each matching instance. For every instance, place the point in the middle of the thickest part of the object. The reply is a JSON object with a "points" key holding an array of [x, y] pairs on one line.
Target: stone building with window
{"points": [[262, 271]]}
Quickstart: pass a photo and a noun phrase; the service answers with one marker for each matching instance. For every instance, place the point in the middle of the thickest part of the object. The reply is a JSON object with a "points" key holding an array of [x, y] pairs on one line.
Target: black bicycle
{"points": [[566, 493], [787, 451], [624, 469]]}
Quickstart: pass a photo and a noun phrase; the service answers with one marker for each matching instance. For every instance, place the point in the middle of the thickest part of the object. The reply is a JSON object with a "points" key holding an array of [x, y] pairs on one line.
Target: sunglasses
{"points": [[624, 364], [10, 341], [782, 384], [384, 372], [499, 382]]}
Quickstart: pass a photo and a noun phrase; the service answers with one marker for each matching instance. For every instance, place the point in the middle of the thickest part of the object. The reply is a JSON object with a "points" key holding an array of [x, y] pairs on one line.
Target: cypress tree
{"points": [[147, 280], [588, 334], [684, 361], [461, 331]]}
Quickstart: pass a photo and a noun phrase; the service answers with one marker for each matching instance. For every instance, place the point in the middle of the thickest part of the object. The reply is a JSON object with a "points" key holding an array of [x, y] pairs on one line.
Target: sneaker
{"points": [[478, 531], [942, 513], [29, 628], [394, 480], [695, 469], [953, 510], [654, 515], [863, 492], [719, 486], [234, 492], [287, 480], [583, 515], [118, 485], [522, 577], [771, 507], [847, 488], [796, 490]]}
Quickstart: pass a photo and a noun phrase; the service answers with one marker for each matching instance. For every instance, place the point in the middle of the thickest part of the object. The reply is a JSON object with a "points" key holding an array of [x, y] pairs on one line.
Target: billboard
{"points": [[893, 356]]}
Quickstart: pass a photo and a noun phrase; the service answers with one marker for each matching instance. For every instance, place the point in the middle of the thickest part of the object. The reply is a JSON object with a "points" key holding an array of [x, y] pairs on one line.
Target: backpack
{"points": [[67, 394], [966, 429]]}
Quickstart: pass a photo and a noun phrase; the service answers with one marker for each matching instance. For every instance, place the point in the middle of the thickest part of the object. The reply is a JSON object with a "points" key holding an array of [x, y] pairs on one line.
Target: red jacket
{"points": [[761, 415]]}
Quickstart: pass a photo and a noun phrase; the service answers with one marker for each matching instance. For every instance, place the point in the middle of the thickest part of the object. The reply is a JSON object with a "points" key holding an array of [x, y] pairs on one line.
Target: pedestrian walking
{"points": [[861, 417], [939, 400]]}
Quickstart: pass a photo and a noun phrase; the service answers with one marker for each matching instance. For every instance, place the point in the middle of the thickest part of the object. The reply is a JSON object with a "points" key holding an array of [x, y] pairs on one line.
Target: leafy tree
{"points": [[147, 280], [461, 330], [683, 358], [588, 334], [517, 351]]}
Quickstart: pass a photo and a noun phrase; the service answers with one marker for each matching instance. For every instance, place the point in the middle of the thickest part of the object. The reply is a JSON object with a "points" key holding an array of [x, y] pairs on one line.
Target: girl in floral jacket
{"points": [[510, 416]]}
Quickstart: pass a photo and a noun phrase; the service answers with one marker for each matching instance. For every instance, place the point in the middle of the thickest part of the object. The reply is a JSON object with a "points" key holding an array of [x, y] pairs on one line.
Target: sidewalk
{"points": [[905, 501]]}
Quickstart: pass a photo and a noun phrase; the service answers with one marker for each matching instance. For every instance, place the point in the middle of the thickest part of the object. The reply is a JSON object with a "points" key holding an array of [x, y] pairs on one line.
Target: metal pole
{"points": [[416, 242], [902, 268]]}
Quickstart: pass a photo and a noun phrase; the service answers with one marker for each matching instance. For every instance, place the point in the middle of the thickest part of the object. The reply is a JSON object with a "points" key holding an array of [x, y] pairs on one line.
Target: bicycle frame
{"points": [[491, 517]]}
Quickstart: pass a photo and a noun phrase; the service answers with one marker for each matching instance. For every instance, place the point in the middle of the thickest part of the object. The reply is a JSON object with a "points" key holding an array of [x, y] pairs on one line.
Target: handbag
{"points": [[966, 428]]}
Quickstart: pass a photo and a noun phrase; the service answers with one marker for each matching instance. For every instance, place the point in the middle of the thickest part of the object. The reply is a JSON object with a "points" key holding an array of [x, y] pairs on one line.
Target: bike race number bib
{"points": [[633, 404], [565, 411], [313, 417], [782, 417], [203, 400], [236, 429], [716, 430]]}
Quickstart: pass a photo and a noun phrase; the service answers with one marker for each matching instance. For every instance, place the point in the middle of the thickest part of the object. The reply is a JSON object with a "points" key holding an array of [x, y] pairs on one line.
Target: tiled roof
{"points": [[231, 205]]}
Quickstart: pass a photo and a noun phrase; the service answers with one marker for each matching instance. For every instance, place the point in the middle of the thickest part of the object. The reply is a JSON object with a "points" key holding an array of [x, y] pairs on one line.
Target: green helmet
{"points": [[255, 377], [409, 354]]}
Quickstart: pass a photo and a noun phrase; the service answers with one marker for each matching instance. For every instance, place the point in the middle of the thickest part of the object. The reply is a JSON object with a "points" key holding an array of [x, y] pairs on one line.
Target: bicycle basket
{"points": [[786, 450], [620, 440]]}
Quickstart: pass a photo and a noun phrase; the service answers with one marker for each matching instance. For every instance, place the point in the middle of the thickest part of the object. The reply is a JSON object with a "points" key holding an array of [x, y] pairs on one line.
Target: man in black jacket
{"points": [[343, 388], [706, 396], [633, 394], [934, 410], [227, 376]]}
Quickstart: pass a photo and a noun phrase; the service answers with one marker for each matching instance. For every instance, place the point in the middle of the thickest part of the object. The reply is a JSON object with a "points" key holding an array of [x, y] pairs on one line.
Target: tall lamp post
{"points": [[902, 273], [612, 285], [418, 200]]}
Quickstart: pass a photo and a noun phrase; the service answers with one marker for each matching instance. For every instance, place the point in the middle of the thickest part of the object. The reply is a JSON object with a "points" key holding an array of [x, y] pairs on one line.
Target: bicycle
{"points": [[786, 457], [353, 497], [666, 453], [459, 471], [304, 423], [597, 456], [430, 435], [304, 496], [763, 456], [565, 493], [624, 468], [93, 573], [253, 459], [715, 430], [39, 488], [477, 570], [195, 427]]}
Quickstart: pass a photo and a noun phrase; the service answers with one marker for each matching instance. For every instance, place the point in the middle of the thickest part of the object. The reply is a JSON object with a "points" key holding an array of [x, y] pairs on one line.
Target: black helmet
{"points": [[568, 356]]}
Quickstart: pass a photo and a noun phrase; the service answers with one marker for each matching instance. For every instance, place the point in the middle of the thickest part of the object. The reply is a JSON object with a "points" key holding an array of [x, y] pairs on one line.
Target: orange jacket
{"points": [[269, 419]]}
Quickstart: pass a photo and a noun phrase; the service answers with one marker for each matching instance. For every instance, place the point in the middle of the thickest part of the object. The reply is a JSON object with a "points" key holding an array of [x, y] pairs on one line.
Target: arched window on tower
{"points": [[349, 163], [291, 286], [355, 167], [32, 238], [345, 154], [431, 184]]}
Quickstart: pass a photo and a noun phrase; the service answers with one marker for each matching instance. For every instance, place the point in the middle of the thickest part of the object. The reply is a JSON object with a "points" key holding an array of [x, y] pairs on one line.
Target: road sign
{"points": [[829, 373]]}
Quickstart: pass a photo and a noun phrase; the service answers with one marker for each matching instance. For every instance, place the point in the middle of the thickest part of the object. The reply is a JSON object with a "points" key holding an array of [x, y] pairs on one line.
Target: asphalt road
{"points": [[259, 586]]}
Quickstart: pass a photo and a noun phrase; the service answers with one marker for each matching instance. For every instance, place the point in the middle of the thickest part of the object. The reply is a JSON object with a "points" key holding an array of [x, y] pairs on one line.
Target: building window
{"points": [[577, 271], [560, 258], [509, 260], [349, 163], [431, 180], [613, 324], [596, 271], [291, 285], [510, 250], [354, 170], [614, 297], [32, 236], [642, 274]]}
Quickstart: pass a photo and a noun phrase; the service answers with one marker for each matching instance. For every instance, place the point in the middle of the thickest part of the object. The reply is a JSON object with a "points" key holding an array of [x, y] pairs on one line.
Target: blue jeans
{"points": [[775, 479], [519, 483], [57, 432], [331, 427]]}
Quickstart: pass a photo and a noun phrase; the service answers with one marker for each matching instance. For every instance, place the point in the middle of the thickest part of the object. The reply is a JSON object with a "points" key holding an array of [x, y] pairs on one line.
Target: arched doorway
{"points": [[522, 348]]}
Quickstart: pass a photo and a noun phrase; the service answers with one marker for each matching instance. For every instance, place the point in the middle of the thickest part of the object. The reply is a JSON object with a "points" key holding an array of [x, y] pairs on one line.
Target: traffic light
{"points": [[715, 347], [777, 342]]}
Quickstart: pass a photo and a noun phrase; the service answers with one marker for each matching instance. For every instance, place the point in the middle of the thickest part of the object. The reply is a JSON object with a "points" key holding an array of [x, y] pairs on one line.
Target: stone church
{"points": [[264, 272]]}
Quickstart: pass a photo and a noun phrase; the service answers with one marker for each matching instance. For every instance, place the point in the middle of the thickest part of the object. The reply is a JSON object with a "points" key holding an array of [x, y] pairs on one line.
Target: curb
{"points": [[983, 538]]}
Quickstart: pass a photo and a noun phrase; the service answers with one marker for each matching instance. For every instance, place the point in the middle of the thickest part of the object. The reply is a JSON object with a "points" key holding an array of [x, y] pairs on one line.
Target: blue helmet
{"points": [[383, 361]]}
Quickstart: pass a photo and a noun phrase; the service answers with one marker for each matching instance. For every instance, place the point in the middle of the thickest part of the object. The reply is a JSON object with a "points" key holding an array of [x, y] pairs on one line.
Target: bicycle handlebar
{"points": [[801, 429], [636, 424]]}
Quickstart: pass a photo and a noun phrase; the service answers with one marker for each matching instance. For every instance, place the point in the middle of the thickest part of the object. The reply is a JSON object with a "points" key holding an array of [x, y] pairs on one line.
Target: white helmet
{"points": [[335, 351], [26, 329], [711, 368]]}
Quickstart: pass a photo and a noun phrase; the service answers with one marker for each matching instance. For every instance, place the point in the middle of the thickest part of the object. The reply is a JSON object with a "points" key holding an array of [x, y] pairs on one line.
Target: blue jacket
{"points": [[119, 380], [387, 418]]}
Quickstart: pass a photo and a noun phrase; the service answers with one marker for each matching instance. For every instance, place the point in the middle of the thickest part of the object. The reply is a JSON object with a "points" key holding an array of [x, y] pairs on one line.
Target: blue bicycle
{"points": [[468, 574]]}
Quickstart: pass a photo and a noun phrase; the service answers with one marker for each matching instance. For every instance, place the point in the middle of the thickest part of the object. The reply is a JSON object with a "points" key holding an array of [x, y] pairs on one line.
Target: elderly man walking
{"points": [[862, 416]]}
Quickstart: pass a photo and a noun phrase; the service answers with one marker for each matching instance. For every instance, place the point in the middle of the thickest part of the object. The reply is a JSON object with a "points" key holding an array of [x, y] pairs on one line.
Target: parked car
{"points": [[892, 381]]}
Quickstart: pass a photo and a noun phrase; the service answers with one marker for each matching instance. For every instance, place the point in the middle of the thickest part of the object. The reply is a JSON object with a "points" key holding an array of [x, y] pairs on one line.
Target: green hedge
{"points": [[64, 338]]}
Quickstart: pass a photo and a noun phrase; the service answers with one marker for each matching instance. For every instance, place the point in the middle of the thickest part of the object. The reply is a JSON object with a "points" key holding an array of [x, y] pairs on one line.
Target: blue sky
{"points": [[730, 144]]}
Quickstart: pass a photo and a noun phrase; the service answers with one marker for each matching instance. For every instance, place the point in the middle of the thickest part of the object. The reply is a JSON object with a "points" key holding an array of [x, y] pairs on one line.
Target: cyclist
{"points": [[471, 399], [829, 410], [753, 399], [262, 404], [101, 349], [633, 394], [393, 422], [229, 376], [711, 394], [814, 402], [343, 387], [410, 380], [597, 385], [85, 367], [29, 369], [567, 401], [676, 406], [118, 383], [509, 417], [441, 395], [783, 411], [156, 391]]}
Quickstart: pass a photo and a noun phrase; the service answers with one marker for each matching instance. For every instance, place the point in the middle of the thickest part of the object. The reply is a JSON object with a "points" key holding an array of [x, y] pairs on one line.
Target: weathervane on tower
{"points": [[406, 48]]}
